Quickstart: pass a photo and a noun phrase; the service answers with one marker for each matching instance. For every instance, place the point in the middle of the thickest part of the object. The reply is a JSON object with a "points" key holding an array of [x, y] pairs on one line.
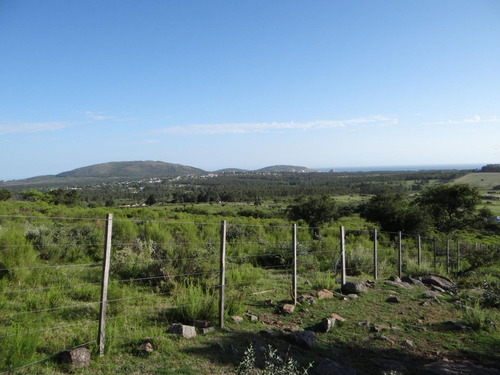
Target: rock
{"points": [[270, 332], [464, 368], [268, 302], [327, 324], [183, 330], [354, 287], [337, 317], [399, 284], [352, 296], [237, 319], [306, 298], [408, 344], [206, 330], [77, 358], [412, 281], [393, 299], [385, 338], [457, 326], [288, 308], [418, 328], [380, 328], [439, 281], [304, 338], [365, 323], [431, 294], [252, 317], [395, 278], [324, 294], [145, 347], [389, 366], [437, 289], [328, 367]]}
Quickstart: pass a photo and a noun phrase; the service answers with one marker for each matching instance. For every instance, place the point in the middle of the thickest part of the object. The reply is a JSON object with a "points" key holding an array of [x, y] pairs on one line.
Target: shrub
{"points": [[192, 302]]}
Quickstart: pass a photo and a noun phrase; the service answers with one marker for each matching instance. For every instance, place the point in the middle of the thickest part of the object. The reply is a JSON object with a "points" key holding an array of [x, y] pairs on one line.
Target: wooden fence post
{"points": [[419, 250], [448, 256], [375, 255], [294, 276], [104, 283], [435, 254], [222, 279], [400, 255], [342, 255], [458, 257]]}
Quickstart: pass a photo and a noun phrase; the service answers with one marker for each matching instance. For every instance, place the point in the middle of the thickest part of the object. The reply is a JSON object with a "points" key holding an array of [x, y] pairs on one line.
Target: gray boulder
{"points": [[304, 338], [77, 358], [439, 281], [328, 367], [183, 330], [354, 287]]}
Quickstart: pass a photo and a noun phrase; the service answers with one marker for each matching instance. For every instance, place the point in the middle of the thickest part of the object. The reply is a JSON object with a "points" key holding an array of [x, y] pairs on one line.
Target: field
{"points": [[486, 183]]}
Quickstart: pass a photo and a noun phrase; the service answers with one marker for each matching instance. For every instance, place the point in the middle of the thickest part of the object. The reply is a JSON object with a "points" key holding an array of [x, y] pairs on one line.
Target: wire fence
{"points": [[52, 272]]}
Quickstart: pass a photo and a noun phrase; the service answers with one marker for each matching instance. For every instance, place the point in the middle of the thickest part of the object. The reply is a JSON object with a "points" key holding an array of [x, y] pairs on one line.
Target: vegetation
{"points": [[165, 264]]}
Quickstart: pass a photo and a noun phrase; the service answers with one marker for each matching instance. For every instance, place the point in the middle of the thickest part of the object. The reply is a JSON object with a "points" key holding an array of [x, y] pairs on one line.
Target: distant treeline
{"points": [[491, 168]]}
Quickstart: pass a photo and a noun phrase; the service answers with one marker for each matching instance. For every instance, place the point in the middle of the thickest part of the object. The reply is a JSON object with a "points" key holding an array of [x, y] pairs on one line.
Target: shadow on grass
{"points": [[364, 359]]}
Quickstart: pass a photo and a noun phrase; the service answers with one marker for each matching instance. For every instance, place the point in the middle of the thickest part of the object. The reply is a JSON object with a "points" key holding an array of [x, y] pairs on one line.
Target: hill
{"points": [[132, 169], [480, 180], [284, 168]]}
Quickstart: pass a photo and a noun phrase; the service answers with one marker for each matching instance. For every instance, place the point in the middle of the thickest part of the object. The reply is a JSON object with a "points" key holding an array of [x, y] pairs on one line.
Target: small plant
{"points": [[274, 364], [474, 317], [491, 295]]}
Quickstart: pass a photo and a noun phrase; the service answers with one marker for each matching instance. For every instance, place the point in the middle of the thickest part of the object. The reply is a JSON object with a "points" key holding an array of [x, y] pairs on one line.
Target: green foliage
{"points": [[314, 210], [193, 302], [15, 254], [17, 347], [274, 364], [452, 207], [491, 295], [5, 195]]}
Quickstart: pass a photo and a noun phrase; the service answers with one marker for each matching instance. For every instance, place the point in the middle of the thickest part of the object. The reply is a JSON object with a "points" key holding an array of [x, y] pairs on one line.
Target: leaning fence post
{"points": [[222, 279], [375, 255], [104, 283], [400, 255], [342, 255], [294, 277], [458, 257]]}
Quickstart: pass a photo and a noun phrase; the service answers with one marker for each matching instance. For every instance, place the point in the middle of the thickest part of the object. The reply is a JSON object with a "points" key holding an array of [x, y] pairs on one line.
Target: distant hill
{"points": [[231, 171], [491, 168], [284, 168], [132, 169]]}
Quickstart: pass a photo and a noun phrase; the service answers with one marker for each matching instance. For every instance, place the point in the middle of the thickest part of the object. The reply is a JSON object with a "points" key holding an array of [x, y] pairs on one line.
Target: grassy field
{"points": [[483, 181]]}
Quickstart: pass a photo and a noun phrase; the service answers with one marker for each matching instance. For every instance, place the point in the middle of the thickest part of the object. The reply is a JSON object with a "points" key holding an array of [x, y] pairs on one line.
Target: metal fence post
{"points": [[419, 250], [400, 255], [222, 279], [104, 284], [342, 255], [294, 276], [375, 255]]}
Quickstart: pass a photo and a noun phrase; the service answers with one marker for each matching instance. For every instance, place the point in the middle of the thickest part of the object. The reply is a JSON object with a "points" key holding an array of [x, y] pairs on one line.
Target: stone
{"points": [[457, 326], [327, 325], [183, 330], [365, 323], [304, 338], [393, 299], [408, 344], [395, 278], [288, 308], [412, 281], [380, 328], [268, 302], [399, 284], [324, 294], [439, 281], [252, 317], [145, 347], [201, 323], [206, 330], [354, 287], [431, 294], [328, 367], [237, 319], [464, 368], [77, 358], [337, 317], [306, 298]]}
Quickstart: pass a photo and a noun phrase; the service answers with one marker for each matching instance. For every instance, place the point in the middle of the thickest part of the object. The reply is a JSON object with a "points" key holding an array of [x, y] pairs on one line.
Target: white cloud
{"points": [[476, 119], [276, 127], [32, 127], [98, 116]]}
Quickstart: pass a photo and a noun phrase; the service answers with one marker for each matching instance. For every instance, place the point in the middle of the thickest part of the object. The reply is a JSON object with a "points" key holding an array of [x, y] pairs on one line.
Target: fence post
{"points": [[104, 283], [375, 255], [222, 279], [419, 250], [294, 277], [448, 256], [458, 257], [435, 254], [342, 255], [400, 255]]}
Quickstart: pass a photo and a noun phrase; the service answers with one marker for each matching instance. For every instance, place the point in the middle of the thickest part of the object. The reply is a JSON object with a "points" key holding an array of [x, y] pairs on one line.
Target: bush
{"points": [[193, 302], [274, 364]]}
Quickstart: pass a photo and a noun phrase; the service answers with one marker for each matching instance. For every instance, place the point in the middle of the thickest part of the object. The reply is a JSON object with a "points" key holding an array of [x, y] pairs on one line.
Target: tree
{"points": [[394, 213], [314, 210], [450, 206], [151, 200], [5, 195]]}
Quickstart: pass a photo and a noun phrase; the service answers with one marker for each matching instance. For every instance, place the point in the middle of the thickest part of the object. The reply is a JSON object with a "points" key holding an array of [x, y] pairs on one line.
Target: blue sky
{"points": [[219, 83]]}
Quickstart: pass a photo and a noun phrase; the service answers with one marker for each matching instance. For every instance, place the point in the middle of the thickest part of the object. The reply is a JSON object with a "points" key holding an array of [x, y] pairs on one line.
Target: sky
{"points": [[247, 84]]}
